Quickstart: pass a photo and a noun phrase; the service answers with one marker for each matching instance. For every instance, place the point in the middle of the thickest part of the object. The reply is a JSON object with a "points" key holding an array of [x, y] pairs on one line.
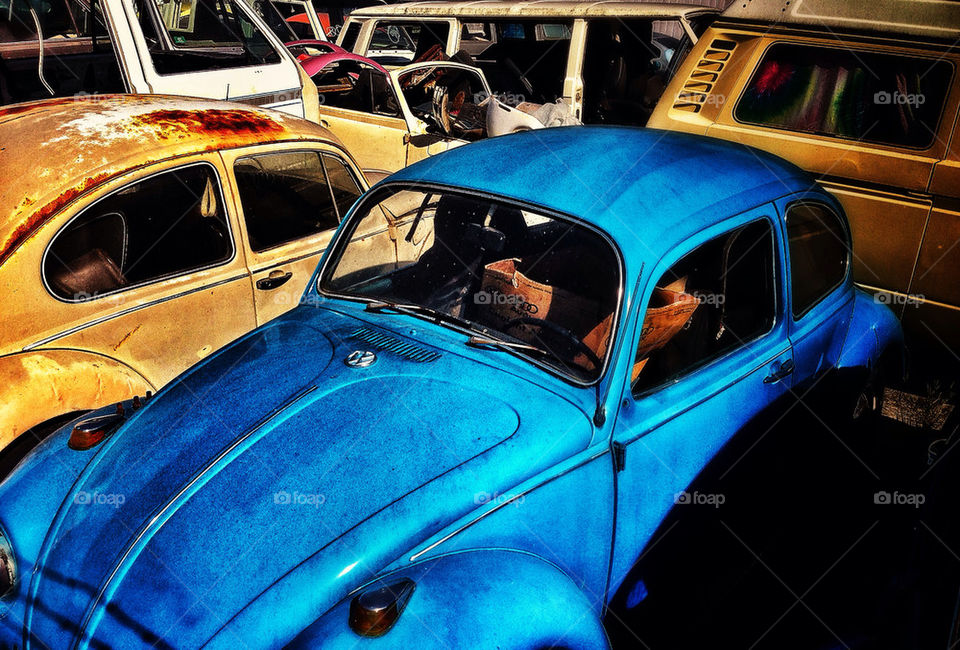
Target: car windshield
{"points": [[522, 281]]}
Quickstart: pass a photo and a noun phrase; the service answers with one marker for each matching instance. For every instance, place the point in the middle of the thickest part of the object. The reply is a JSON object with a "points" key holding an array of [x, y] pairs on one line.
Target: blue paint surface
{"points": [[255, 493]]}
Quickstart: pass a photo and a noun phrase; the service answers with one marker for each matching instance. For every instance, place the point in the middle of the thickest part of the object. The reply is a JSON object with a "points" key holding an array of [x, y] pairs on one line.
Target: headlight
{"points": [[8, 566]]}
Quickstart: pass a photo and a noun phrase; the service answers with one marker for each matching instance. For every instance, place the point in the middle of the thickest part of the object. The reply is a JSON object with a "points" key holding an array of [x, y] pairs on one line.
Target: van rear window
{"points": [[888, 99]]}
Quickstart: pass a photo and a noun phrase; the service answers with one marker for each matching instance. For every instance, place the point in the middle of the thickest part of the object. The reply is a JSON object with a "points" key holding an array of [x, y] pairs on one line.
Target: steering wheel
{"points": [[560, 331]]}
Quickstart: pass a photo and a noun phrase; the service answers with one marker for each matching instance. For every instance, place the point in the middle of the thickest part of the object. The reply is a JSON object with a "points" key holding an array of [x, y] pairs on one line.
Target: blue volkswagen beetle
{"points": [[511, 359]]}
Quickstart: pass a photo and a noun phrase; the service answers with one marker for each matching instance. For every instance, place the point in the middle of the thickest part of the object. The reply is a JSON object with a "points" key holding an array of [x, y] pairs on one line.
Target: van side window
{"points": [[890, 99], [718, 297], [197, 35], [350, 36], [162, 226], [77, 54], [626, 67], [286, 196], [523, 60], [819, 254], [402, 42]]}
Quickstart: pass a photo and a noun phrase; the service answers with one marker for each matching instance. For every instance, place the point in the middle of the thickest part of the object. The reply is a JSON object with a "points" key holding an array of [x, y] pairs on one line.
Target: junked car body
{"points": [[145, 232], [472, 425], [607, 61], [389, 119], [866, 97], [218, 49]]}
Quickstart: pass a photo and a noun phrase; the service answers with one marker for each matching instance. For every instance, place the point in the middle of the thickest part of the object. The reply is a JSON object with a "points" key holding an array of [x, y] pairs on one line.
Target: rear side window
{"points": [[888, 99], [819, 254], [717, 298], [162, 226], [287, 196]]}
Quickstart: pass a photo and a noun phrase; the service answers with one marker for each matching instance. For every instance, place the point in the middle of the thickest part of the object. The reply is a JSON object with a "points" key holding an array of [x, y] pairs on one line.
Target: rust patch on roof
{"points": [[178, 122], [37, 218]]}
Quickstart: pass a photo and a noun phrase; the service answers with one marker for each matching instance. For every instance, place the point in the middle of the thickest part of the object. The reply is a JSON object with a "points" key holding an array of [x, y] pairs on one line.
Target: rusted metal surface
{"points": [[39, 386], [59, 149], [531, 9]]}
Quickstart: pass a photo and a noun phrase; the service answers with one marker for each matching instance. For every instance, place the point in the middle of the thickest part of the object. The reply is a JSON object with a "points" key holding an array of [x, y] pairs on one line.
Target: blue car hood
{"points": [[263, 456]]}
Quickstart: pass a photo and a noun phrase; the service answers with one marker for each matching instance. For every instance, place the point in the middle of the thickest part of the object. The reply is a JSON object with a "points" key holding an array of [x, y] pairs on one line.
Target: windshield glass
{"points": [[542, 286]]}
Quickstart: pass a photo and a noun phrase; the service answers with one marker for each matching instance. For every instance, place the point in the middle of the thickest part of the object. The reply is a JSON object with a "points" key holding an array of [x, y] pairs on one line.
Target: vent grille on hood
{"points": [[696, 91], [383, 341]]}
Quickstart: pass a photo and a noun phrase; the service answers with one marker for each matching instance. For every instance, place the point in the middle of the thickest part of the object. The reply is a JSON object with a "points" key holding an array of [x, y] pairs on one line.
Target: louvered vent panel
{"points": [[699, 84], [382, 341]]}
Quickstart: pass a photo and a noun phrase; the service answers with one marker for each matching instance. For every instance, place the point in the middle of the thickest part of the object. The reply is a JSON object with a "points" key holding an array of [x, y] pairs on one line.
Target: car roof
{"points": [[58, 149], [927, 18], [648, 189], [535, 8]]}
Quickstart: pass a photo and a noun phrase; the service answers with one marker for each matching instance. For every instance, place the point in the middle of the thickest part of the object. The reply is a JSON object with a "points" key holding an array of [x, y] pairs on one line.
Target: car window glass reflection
{"points": [[163, 225], [716, 298], [545, 285], [285, 197]]}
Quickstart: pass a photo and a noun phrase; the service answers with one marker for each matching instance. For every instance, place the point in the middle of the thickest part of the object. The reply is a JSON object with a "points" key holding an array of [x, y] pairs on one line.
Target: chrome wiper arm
{"points": [[413, 309], [483, 341]]}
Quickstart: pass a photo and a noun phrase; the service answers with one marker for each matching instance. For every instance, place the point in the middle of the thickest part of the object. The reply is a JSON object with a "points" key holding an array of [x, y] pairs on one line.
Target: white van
{"points": [[607, 61], [218, 49]]}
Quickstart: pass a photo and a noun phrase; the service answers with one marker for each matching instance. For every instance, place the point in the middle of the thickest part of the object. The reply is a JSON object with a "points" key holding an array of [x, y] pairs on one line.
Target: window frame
{"points": [[855, 50], [778, 305], [346, 233], [336, 209], [112, 193], [848, 243]]}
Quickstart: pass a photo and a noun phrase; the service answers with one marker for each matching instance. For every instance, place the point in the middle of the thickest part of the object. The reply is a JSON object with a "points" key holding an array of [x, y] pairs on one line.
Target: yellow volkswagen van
{"points": [[865, 96]]}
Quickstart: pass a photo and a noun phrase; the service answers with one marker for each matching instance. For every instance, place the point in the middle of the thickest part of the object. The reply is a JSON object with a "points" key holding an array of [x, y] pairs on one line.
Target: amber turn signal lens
{"points": [[91, 432], [374, 611]]}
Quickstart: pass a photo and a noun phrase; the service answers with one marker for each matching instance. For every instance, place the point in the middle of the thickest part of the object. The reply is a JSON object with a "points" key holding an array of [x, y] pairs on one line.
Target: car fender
{"points": [[43, 384], [873, 330], [475, 599]]}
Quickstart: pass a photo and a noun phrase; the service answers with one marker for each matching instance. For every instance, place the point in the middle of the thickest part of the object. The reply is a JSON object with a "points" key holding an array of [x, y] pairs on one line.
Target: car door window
{"points": [[716, 298], [819, 254], [196, 35], [890, 99], [287, 196], [356, 86], [164, 225]]}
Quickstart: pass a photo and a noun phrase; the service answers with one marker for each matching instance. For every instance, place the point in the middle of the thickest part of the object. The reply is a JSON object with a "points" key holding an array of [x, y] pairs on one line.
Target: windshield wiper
{"points": [[413, 309], [501, 344]]}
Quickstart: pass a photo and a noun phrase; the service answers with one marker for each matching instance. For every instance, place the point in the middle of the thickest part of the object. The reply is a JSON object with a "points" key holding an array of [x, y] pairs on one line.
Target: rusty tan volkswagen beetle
{"points": [[138, 234]]}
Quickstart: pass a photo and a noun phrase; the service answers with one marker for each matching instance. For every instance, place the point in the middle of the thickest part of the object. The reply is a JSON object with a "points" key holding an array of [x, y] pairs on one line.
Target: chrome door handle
{"points": [[783, 370], [274, 280]]}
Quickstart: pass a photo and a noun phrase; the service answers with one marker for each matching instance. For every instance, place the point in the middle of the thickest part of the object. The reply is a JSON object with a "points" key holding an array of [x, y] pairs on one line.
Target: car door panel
{"points": [[280, 254], [376, 141], [668, 433]]}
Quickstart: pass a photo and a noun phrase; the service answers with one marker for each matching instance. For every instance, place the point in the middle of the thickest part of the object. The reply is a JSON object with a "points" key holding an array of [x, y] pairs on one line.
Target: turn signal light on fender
{"points": [[92, 431], [374, 610]]}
